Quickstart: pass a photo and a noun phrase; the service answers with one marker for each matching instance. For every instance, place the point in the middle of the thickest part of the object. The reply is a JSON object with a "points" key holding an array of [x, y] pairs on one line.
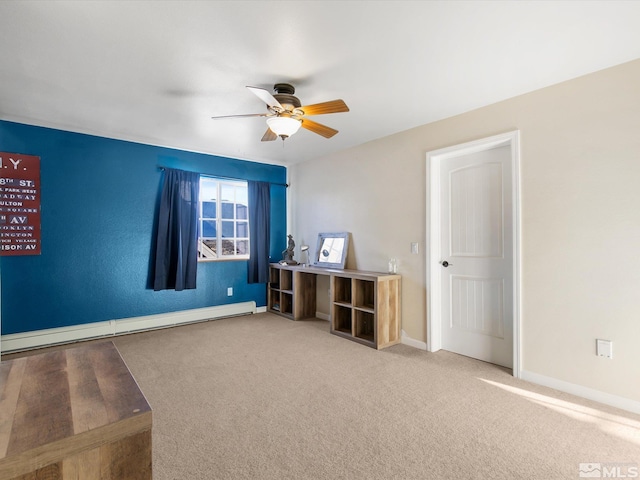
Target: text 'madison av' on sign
{"points": [[19, 204]]}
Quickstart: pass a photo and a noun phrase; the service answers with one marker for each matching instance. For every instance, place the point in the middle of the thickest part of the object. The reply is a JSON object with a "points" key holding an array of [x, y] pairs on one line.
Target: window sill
{"points": [[226, 259]]}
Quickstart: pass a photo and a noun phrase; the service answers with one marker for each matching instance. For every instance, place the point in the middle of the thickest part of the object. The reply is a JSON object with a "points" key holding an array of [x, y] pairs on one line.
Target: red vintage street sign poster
{"points": [[19, 204]]}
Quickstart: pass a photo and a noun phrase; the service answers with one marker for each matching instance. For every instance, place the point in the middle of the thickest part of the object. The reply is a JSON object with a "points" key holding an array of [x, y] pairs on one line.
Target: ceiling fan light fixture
{"points": [[283, 126]]}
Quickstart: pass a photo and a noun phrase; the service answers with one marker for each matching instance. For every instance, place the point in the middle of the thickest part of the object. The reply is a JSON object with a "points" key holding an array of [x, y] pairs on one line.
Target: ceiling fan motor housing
{"points": [[283, 92], [285, 88]]}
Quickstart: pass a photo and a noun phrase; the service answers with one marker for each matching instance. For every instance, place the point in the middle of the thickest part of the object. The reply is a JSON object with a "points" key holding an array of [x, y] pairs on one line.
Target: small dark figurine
{"points": [[287, 255]]}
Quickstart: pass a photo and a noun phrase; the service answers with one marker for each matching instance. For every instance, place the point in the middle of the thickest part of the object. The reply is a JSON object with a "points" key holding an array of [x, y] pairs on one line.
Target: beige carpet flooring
{"points": [[262, 397]]}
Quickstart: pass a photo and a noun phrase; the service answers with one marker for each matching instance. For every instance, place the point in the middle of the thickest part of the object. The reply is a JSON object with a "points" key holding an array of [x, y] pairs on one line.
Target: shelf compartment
{"points": [[286, 303], [365, 325], [274, 300], [286, 279], [342, 319], [274, 278], [365, 294], [342, 290]]}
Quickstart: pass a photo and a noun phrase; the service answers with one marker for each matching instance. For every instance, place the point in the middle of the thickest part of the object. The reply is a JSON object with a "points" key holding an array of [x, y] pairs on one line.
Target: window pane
{"points": [[243, 230], [209, 228], [227, 210], [208, 189], [227, 247], [227, 193], [241, 211], [242, 195], [208, 249], [243, 247], [209, 209], [227, 230]]}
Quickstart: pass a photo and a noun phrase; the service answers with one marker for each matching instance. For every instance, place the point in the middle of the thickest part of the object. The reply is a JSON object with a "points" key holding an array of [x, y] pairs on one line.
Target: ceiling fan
{"points": [[285, 113]]}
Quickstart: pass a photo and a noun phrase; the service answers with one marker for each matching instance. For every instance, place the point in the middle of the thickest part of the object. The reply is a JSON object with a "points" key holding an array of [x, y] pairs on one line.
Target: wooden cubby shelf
{"points": [[365, 306], [291, 292]]}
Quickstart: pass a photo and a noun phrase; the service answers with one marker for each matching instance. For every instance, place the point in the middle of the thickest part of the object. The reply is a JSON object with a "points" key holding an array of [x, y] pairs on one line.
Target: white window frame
{"points": [[206, 254]]}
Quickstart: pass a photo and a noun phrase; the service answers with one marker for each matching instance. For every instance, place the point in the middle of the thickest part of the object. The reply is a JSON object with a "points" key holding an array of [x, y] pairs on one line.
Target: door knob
{"points": [[445, 264]]}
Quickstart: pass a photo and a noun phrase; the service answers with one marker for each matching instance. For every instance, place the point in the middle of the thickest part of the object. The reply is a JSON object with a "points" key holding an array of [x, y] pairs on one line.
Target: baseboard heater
{"points": [[54, 336]]}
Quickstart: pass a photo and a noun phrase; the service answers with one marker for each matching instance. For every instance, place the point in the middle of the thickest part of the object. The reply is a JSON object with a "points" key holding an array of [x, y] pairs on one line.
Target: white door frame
{"points": [[433, 281]]}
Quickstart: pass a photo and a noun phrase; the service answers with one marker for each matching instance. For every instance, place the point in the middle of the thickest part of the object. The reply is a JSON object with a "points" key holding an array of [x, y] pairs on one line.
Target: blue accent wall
{"points": [[99, 205]]}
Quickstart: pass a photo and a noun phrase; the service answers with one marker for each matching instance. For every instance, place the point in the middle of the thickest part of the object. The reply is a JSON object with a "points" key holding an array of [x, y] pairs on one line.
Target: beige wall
{"points": [[580, 176]]}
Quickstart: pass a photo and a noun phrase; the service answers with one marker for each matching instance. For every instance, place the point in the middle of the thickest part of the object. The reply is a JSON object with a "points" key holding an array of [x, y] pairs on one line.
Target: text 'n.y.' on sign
{"points": [[19, 204]]}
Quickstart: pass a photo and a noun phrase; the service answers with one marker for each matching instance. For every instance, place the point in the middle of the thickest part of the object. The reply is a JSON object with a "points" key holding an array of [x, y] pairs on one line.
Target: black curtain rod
{"points": [[286, 185]]}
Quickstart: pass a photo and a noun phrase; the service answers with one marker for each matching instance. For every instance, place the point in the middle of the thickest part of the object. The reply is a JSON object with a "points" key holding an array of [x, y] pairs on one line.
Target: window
{"points": [[223, 223]]}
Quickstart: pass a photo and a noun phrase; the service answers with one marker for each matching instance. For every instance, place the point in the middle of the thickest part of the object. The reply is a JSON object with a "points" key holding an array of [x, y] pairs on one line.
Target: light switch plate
{"points": [[414, 248]]}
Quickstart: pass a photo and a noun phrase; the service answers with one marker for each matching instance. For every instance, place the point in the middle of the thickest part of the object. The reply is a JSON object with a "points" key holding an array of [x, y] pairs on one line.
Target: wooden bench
{"points": [[73, 414]]}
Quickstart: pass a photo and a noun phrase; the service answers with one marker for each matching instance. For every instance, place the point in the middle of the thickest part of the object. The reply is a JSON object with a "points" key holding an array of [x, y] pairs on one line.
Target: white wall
{"points": [[580, 173]]}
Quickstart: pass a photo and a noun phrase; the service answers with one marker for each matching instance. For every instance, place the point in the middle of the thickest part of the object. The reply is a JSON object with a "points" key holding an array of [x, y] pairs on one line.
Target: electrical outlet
{"points": [[414, 248], [604, 348], [229, 291]]}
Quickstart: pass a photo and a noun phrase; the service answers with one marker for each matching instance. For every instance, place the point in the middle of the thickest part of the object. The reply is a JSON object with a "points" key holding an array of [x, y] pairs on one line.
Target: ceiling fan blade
{"points": [[334, 106], [266, 97], [269, 136], [241, 116], [315, 127]]}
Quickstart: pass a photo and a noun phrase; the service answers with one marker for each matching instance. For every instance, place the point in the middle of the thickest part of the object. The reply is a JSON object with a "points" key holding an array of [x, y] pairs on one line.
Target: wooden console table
{"points": [[365, 306], [73, 414]]}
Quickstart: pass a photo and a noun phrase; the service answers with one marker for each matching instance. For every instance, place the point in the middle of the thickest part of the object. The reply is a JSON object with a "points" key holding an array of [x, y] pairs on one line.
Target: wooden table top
{"points": [[73, 398]]}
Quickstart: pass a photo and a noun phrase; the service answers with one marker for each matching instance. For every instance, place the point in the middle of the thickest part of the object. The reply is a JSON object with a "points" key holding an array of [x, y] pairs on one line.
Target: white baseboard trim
{"points": [[412, 342], [323, 316], [584, 392], [53, 336]]}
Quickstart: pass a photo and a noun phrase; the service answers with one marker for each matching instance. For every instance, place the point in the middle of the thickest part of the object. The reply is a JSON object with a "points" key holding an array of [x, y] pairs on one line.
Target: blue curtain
{"points": [[259, 231], [177, 239]]}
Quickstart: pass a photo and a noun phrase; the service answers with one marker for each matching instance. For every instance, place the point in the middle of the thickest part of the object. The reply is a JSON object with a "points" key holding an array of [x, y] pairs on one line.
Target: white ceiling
{"points": [[156, 71]]}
